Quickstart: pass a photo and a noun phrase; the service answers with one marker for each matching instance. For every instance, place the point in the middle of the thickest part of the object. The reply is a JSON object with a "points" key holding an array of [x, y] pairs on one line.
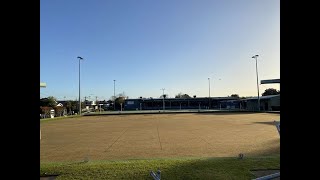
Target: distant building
{"points": [[267, 103], [175, 103]]}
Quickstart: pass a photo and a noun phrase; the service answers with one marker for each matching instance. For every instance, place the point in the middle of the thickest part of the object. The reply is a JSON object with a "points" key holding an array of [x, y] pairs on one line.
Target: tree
{"points": [[112, 98], [164, 96], [235, 95], [123, 94], [83, 105], [68, 106], [58, 110], [120, 99], [45, 111], [270, 91], [180, 95], [49, 101], [72, 106]]}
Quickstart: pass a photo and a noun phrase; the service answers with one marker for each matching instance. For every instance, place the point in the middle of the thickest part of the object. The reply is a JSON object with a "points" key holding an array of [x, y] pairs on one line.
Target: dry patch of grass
{"points": [[159, 136]]}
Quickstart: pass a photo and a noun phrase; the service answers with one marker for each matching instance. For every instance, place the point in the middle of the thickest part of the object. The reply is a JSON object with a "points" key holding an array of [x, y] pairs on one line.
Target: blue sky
{"points": [[146, 45]]}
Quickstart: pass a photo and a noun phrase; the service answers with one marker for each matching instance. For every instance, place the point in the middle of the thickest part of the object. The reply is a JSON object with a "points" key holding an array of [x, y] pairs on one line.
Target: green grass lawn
{"points": [[183, 168], [58, 118]]}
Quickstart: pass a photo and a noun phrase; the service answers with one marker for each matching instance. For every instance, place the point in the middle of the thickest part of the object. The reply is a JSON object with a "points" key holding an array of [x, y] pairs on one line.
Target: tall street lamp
{"points": [[80, 58], [163, 98], [213, 83], [256, 57], [209, 92], [114, 95], [42, 85]]}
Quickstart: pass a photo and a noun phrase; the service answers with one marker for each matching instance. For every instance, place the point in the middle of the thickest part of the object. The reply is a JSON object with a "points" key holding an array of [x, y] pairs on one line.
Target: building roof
{"points": [[263, 97], [270, 81], [197, 98]]}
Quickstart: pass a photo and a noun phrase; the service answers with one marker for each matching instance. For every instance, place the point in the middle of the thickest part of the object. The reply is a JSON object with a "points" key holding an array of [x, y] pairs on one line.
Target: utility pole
{"points": [[209, 92], [42, 85], [114, 95], [255, 57], [163, 98], [80, 58]]}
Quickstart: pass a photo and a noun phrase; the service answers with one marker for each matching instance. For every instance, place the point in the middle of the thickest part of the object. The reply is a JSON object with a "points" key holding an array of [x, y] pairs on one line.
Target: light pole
{"points": [[114, 95], [163, 97], [42, 85], [80, 58], [256, 57], [214, 86], [100, 107], [209, 92]]}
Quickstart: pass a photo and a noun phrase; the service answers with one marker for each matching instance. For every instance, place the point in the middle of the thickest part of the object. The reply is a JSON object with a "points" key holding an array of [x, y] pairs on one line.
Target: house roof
{"points": [[60, 104]]}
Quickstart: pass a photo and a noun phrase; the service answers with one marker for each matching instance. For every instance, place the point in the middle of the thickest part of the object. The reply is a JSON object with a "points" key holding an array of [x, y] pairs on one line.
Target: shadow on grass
{"points": [[175, 168], [269, 148], [226, 113], [268, 157], [274, 150], [191, 168], [266, 123], [217, 168]]}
